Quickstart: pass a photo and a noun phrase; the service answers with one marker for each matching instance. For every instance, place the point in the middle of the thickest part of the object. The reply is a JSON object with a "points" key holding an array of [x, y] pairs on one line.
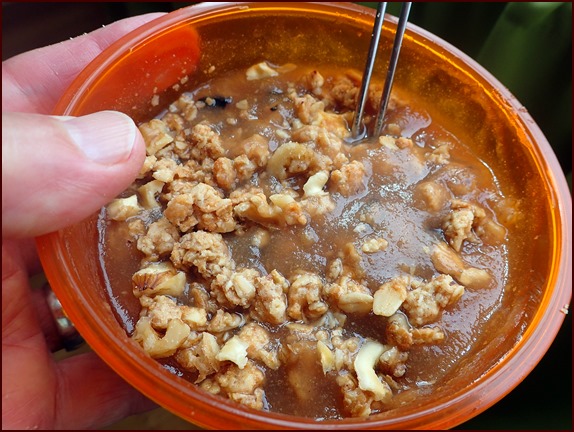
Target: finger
{"points": [[27, 379], [80, 392], [34, 81], [19, 321], [26, 249], [91, 395], [21, 257], [38, 393], [46, 320], [57, 171]]}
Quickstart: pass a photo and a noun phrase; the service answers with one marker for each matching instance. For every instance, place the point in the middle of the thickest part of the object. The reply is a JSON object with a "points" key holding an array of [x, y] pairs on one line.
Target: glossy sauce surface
{"points": [[388, 205]]}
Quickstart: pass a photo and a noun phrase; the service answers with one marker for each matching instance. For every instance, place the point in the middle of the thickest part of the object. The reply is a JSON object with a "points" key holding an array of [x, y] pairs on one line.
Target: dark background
{"points": [[528, 47]]}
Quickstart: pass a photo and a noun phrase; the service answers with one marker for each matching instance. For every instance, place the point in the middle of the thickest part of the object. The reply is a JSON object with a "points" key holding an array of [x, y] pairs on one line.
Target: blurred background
{"points": [[526, 45]]}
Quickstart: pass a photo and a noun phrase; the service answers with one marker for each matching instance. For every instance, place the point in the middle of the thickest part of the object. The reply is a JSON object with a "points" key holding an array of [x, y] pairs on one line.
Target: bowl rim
{"points": [[466, 403]]}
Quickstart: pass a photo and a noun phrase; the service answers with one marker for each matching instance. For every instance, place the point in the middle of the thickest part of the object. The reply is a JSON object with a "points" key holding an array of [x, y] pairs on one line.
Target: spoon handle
{"points": [[357, 129], [403, 18]]}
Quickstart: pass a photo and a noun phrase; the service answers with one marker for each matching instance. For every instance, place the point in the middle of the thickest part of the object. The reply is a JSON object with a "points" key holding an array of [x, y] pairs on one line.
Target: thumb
{"points": [[58, 170]]}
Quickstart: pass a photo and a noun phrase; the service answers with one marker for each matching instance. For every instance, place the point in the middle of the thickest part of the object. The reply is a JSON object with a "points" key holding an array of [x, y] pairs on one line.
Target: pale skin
{"points": [[48, 183]]}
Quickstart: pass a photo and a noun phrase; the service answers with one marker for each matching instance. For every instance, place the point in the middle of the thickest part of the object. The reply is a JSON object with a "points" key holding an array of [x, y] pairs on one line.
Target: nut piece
{"points": [[448, 261], [355, 302], [374, 245], [200, 357], [148, 193], [364, 366], [474, 278], [234, 350], [289, 159], [388, 142], [389, 298], [122, 208], [158, 278], [239, 289], [326, 356], [156, 135], [160, 347], [259, 71], [315, 183]]}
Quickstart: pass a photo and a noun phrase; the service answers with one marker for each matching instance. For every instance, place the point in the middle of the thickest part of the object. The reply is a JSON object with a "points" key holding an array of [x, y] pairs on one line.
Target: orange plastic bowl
{"points": [[188, 42]]}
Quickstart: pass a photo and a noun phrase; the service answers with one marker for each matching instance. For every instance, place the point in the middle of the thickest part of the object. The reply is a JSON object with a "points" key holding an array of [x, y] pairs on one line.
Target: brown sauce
{"points": [[386, 202]]}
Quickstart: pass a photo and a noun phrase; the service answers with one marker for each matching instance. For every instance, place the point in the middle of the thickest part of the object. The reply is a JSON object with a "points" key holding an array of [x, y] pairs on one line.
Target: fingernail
{"points": [[105, 137]]}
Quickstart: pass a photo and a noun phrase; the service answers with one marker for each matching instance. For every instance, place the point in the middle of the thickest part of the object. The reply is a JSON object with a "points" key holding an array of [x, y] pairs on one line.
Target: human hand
{"points": [[55, 172]]}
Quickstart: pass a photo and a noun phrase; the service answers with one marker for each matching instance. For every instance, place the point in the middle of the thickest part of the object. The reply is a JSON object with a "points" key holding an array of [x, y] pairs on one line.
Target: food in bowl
{"points": [[488, 352], [269, 260]]}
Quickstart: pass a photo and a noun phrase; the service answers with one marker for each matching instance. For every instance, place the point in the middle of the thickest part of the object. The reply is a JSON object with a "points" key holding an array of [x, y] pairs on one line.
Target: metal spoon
{"points": [[358, 130]]}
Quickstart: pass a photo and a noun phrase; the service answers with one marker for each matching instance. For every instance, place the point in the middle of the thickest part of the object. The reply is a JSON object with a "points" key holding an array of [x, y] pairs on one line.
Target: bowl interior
{"points": [[144, 71]]}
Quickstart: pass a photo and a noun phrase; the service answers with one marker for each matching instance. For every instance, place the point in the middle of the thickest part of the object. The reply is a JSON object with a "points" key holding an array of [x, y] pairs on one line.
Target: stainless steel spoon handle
{"points": [[401, 26], [357, 129]]}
